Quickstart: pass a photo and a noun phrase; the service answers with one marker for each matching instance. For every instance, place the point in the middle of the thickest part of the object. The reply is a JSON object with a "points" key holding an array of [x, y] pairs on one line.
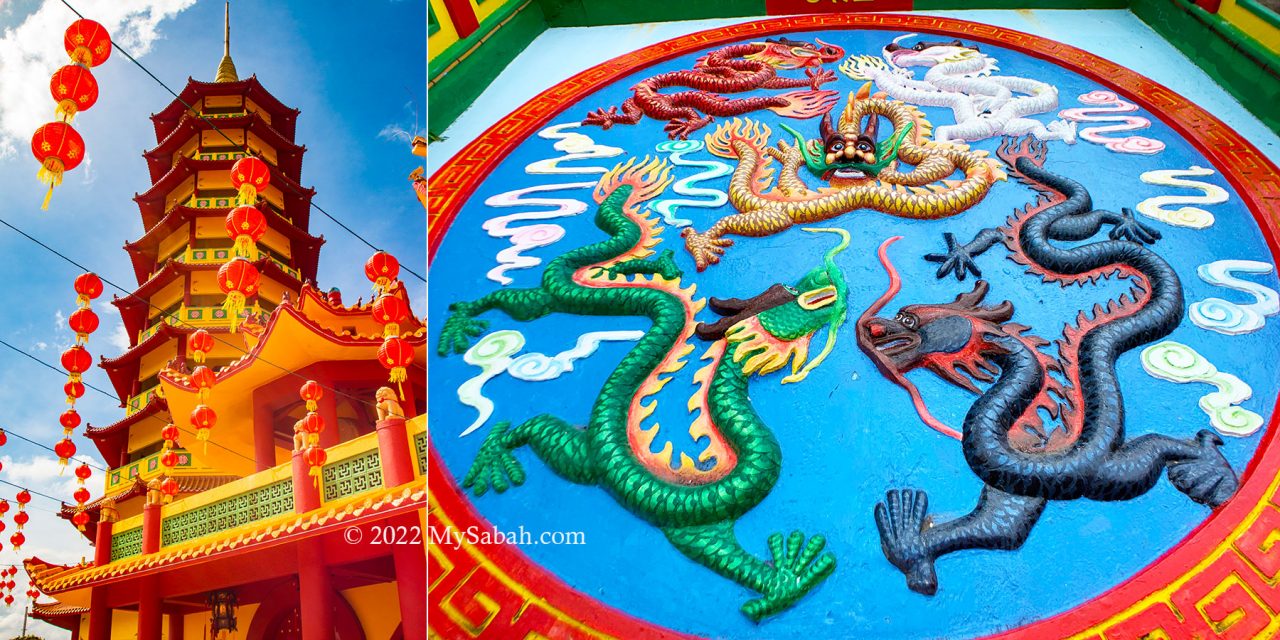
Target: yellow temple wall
{"points": [[211, 180], [221, 102], [188, 149], [173, 242], [215, 140], [377, 606], [180, 194], [212, 227], [277, 242], [261, 148], [446, 35], [250, 105], [1249, 20], [271, 291]]}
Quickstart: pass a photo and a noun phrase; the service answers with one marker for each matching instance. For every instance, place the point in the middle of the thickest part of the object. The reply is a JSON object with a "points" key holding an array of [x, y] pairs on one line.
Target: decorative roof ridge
{"points": [[153, 406]]}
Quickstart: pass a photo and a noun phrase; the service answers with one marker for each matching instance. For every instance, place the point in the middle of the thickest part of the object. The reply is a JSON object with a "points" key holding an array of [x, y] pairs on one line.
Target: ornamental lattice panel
{"points": [[420, 446], [353, 475], [126, 543], [251, 506]]}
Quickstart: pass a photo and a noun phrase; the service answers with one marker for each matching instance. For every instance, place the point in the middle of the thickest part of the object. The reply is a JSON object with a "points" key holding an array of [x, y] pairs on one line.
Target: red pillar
{"points": [[306, 495], [150, 528], [150, 617], [176, 626], [99, 615], [264, 436], [462, 16], [102, 543], [395, 453], [411, 583], [315, 592], [327, 407]]}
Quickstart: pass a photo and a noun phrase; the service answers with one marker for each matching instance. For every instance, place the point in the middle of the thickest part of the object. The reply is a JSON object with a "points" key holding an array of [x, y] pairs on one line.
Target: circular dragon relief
{"points": [[853, 326]]}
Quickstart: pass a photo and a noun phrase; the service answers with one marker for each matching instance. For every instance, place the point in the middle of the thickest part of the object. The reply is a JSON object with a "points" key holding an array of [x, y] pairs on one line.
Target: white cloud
{"points": [[40, 346], [118, 338], [395, 132], [32, 51]]}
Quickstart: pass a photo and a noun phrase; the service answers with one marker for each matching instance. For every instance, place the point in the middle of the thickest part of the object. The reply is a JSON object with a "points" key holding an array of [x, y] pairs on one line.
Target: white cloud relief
{"points": [[32, 51]]}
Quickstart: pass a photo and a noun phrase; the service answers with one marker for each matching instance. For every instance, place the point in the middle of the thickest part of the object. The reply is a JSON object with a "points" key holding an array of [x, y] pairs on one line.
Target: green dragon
{"points": [[694, 504]]}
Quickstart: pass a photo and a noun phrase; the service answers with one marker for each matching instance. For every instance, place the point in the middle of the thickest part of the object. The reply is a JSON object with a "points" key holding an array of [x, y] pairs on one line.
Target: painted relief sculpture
{"points": [[1225, 316], [1105, 106], [1176, 362], [1185, 215], [696, 502], [736, 68], [1023, 464], [862, 170], [961, 78]]}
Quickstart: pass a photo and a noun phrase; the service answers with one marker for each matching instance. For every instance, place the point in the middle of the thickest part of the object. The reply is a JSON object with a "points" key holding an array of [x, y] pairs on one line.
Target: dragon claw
{"points": [[494, 466], [819, 77], [1207, 478], [902, 519], [956, 260], [458, 330], [601, 118], [1129, 228], [705, 249], [797, 569], [680, 128]]}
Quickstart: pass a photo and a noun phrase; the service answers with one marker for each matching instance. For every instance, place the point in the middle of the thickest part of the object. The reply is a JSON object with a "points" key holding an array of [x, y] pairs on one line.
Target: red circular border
{"points": [[1253, 176]]}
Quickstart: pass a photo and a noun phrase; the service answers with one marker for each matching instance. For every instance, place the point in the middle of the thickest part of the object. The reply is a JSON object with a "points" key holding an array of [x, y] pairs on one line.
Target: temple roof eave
{"points": [[167, 117]]}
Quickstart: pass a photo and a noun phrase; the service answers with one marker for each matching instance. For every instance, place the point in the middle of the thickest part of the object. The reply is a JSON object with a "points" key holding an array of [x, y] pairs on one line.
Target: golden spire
{"points": [[226, 68]]}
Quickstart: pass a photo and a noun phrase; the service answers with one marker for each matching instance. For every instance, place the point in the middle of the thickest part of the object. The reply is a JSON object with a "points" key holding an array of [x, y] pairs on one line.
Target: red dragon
{"points": [[733, 69]]}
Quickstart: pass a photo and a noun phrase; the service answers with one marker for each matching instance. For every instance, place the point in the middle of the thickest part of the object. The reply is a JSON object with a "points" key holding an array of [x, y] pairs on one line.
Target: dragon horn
{"points": [[824, 127], [841, 304], [814, 162], [864, 91], [873, 127]]}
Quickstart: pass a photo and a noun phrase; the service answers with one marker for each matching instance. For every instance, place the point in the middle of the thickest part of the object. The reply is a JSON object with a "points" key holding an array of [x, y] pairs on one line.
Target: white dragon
{"points": [[959, 78]]}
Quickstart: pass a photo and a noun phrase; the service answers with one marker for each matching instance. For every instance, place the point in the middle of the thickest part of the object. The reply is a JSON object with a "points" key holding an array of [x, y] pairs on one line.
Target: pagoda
{"points": [[253, 543]]}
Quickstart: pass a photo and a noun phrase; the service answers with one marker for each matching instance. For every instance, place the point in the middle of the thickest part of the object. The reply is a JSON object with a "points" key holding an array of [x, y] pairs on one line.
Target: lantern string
{"points": [[235, 144], [100, 390]]}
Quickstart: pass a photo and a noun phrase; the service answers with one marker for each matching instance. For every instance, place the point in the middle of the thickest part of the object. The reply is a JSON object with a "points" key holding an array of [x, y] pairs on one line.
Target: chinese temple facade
{"points": [[253, 544]]}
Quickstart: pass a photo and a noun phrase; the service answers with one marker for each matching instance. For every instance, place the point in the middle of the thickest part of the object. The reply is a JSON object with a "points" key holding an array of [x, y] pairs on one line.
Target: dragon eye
{"points": [[862, 146], [919, 47], [907, 320], [837, 146], [791, 290]]}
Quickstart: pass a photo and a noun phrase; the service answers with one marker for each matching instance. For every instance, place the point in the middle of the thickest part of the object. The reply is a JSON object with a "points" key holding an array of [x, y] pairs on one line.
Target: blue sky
{"points": [[354, 69]]}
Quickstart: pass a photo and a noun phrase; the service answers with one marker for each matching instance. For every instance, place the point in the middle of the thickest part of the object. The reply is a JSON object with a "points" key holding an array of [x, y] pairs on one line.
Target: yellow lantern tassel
{"points": [[248, 194], [382, 285], [62, 465], [82, 56], [66, 110], [391, 330], [315, 474], [245, 247], [50, 173], [399, 375], [203, 394], [233, 305], [202, 434]]}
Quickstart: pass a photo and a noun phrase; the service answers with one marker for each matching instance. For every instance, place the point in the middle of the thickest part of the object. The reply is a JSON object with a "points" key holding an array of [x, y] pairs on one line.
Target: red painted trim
{"points": [[462, 16], [1209, 5], [1251, 174], [802, 7]]}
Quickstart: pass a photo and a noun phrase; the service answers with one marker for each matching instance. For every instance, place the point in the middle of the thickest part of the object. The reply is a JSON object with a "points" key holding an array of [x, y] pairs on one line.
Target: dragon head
{"points": [[785, 53], [927, 54], [776, 326], [850, 153]]}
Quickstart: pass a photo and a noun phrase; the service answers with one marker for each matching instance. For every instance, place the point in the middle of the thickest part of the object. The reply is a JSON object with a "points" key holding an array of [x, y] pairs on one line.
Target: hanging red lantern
{"points": [[23, 498], [83, 322], [239, 279], [202, 378], [382, 269], [21, 519], [8, 600], [312, 425], [59, 149], [199, 343], [4, 438], [80, 519], [250, 175], [65, 449], [169, 459], [76, 360], [311, 391], [17, 539], [70, 419], [169, 432], [316, 457], [88, 286], [81, 495], [4, 506], [169, 487], [83, 472], [87, 42], [396, 354], [74, 391], [74, 89], [390, 311], [246, 225], [203, 418]]}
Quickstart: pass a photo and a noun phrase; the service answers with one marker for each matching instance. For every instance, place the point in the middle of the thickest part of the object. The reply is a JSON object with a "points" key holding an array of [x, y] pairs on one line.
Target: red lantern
{"points": [[238, 278], [23, 498], [311, 391], [396, 355], [59, 149], [69, 420], [312, 425], [65, 449], [250, 176], [17, 539], [88, 286], [390, 311], [73, 390], [316, 457], [21, 518], [87, 42], [169, 459], [83, 322], [8, 600], [74, 89], [80, 519], [200, 343], [203, 418], [3, 439], [169, 487], [76, 360], [202, 378], [169, 432], [4, 506], [83, 472], [382, 269], [246, 225], [81, 495]]}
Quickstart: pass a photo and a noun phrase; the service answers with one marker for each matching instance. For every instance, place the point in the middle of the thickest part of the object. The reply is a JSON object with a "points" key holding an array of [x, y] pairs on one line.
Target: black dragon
{"points": [[1022, 463]]}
